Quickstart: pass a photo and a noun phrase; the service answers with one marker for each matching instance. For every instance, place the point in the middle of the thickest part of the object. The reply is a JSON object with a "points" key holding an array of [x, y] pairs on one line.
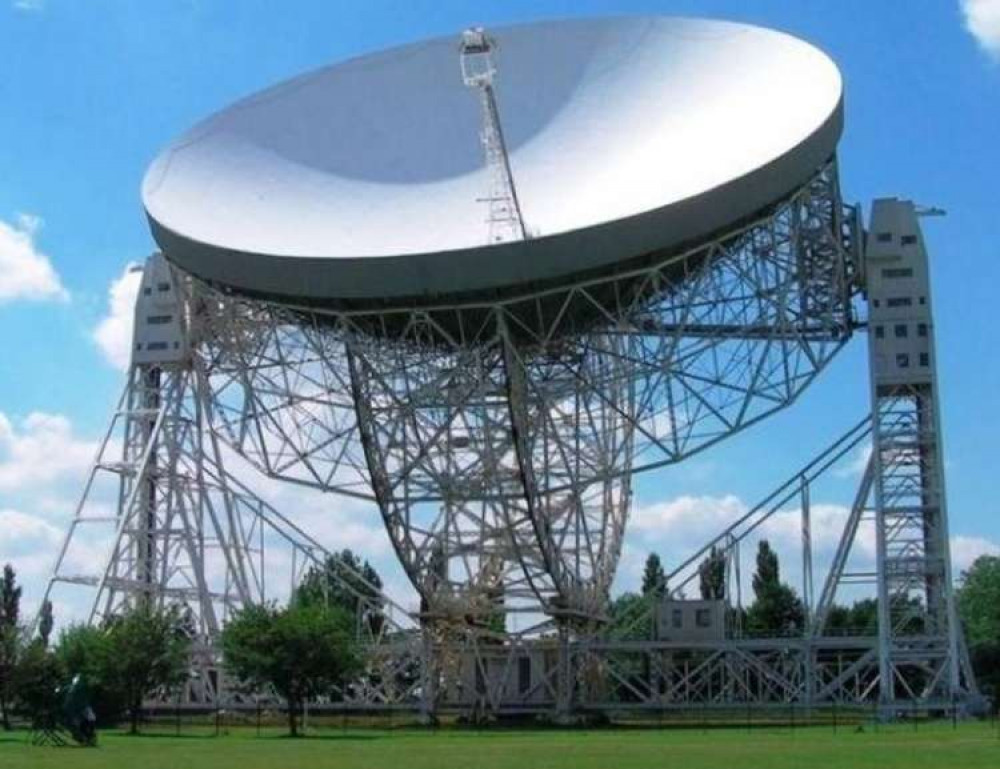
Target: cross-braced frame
{"points": [[498, 438]]}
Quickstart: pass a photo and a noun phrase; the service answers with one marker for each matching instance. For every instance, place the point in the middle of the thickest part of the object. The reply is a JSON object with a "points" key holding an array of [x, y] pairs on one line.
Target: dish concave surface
{"points": [[362, 184]]}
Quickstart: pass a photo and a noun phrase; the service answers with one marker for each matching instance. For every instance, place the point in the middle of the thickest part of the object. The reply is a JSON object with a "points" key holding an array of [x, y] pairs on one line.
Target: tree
{"points": [[630, 618], [346, 582], [768, 574], [776, 609], [859, 619], [654, 580], [83, 651], [144, 651], [39, 678], [10, 639], [978, 600], [302, 651], [712, 575], [45, 622]]}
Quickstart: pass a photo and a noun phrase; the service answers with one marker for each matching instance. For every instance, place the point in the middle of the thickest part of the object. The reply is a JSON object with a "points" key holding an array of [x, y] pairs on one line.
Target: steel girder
{"points": [[498, 438]]}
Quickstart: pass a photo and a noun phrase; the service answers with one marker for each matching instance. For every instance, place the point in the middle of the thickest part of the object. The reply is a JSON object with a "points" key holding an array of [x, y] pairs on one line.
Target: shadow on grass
{"points": [[353, 737], [162, 735], [23, 737], [242, 735]]}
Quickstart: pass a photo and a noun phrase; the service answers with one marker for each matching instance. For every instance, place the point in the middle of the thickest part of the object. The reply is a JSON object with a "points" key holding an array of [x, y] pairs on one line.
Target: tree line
{"points": [[308, 649], [300, 651], [777, 610]]}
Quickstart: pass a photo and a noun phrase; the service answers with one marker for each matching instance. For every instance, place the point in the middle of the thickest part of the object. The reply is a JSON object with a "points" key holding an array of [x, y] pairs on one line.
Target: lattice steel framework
{"points": [[919, 634], [504, 222], [498, 442], [182, 531], [498, 439]]}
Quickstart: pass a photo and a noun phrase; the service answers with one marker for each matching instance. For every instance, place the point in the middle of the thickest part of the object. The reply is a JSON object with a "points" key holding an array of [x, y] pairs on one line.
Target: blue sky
{"points": [[91, 89]]}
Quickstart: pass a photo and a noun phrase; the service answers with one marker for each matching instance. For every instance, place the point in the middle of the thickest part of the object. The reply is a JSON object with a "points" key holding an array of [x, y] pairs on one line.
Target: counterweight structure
{"points": [[919, 633]]}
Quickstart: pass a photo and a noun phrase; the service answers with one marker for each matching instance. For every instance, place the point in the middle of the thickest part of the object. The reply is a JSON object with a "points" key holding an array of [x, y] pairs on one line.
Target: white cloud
{"points": [[965, 550], [677, 528], [29, 545], [688, 516], [29, 6], [39, 451], [113, 334], [982, 18], [43, 465], [855, 466], [23, 532], [26, 272]]}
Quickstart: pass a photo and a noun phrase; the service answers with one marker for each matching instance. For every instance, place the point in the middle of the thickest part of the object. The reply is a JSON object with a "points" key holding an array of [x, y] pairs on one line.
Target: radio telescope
{"points": [[482, 280]]}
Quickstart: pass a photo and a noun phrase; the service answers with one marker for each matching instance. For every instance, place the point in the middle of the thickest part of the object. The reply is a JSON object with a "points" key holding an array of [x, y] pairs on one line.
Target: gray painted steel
{"points": [[361, 184]]}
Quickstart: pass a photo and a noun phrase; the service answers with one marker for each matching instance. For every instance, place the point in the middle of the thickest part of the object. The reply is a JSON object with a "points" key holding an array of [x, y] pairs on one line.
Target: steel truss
{"points": [[918, 660], [478, 70], [816, 669], [498, 439], [921, 649], [184, 532]]}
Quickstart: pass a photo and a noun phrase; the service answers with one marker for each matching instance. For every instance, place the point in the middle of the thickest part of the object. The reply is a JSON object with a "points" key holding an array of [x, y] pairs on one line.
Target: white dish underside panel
{"points": [[379, 158]]}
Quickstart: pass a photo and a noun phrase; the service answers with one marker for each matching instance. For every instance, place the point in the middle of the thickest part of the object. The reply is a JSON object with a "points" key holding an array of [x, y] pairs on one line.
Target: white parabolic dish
{"points": [[363, 182]]}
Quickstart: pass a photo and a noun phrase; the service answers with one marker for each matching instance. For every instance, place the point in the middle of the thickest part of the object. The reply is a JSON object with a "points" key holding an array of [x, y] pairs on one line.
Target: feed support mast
{"points": [[919, 636], [478, 70]]}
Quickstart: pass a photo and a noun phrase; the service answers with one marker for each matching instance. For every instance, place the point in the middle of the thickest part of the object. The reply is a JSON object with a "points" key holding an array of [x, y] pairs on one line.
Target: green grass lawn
{"points": [[933, 745]]}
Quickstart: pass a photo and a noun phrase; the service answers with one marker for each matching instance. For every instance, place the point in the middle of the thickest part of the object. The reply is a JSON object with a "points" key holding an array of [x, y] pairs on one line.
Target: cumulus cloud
{"points": [[854, 467], [113, 335], [22, 532], [25, 271], [39, 451], [43, 465], [28, 543], [29, 6], [677, 528], [688, 516], [965, 550], [982, 19], [693, 520]]}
